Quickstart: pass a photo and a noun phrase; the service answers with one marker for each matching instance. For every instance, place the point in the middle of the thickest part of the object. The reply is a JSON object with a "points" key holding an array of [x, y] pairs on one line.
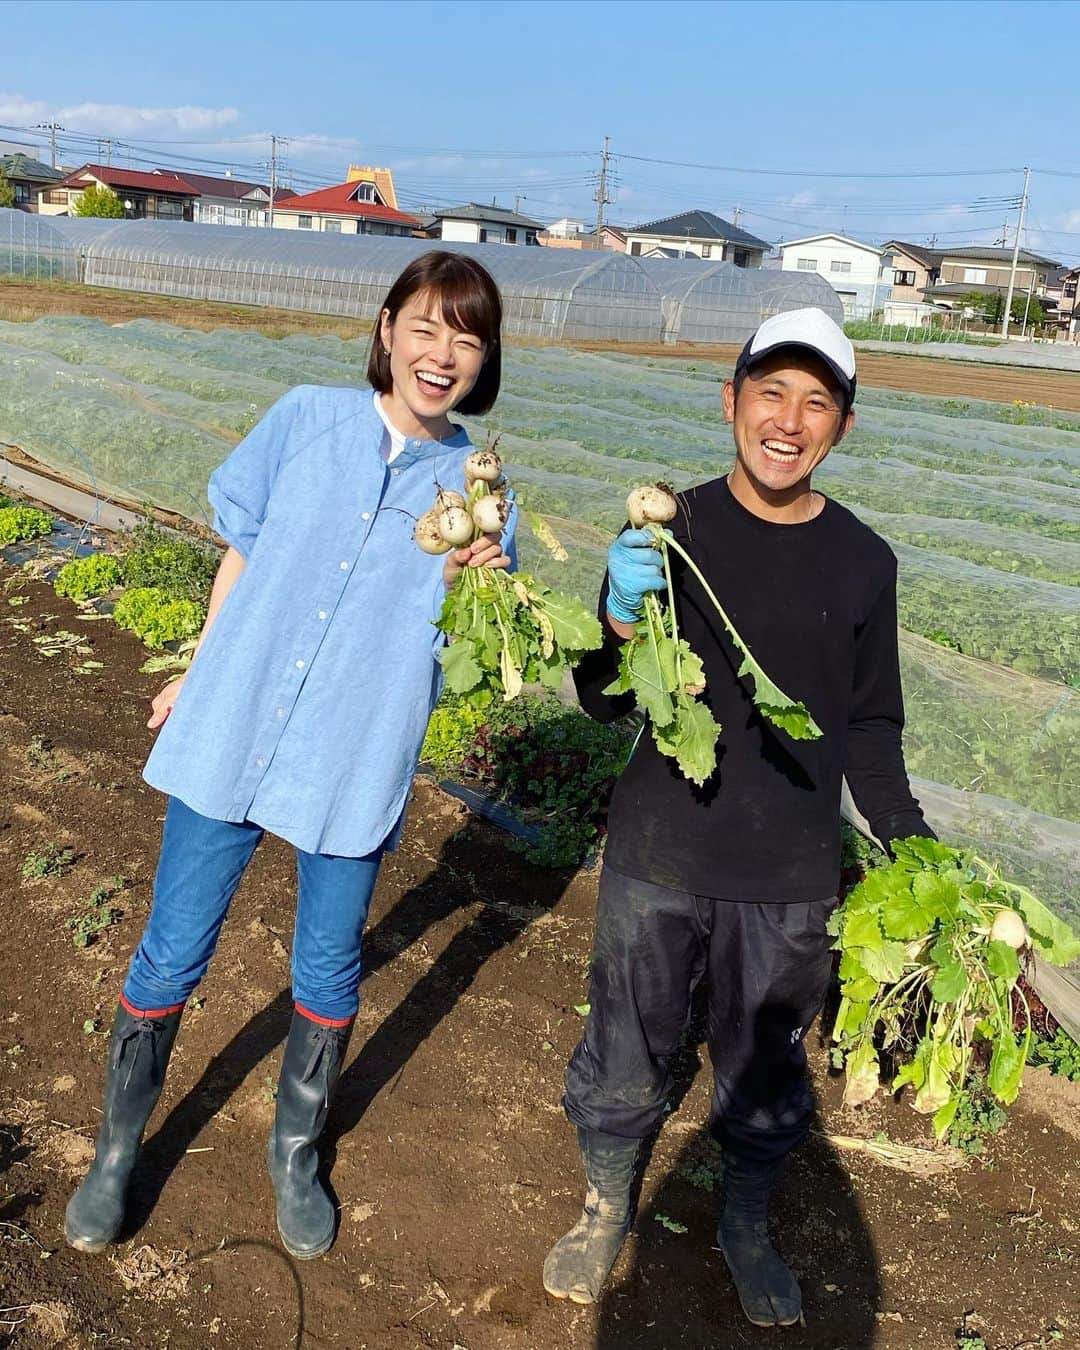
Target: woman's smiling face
{"points": [[432, 366]]}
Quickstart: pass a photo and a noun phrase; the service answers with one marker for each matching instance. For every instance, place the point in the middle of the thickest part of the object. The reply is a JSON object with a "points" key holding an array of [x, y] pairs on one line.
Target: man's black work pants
{"points": [[767, 967]]}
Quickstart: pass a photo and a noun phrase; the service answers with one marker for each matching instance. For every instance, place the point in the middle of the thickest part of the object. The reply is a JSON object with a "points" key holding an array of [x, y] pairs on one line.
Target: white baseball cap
{"points": [[811, 329]]}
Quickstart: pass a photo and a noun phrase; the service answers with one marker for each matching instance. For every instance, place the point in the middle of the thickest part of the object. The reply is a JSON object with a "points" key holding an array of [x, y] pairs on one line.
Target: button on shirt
{"points": [[307, 705]]}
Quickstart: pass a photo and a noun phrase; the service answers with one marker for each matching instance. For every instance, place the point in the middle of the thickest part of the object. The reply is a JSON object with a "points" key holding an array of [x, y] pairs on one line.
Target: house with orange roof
{"points": [[366, 203]]}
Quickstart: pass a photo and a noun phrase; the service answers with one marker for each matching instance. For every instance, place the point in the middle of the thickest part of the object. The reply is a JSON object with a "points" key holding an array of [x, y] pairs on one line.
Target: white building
{"points": [[698, 234], [860, 274], [475, 224], [566, 228]]}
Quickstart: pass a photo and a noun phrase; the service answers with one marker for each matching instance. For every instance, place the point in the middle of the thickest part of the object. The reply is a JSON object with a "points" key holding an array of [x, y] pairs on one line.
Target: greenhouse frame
{"points": [[549, 294]]}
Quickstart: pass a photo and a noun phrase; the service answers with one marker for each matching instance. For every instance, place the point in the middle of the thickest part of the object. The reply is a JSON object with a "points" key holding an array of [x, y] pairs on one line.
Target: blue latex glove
{"points": [[634, 568]]}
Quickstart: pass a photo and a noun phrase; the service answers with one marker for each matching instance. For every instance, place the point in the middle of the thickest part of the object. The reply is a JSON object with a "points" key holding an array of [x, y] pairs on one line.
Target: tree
{"points": [[99, 201], [7, 192], [990, 307]]}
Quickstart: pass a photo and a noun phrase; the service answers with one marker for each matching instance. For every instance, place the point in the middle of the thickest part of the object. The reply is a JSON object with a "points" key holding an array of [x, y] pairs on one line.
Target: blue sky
{"points": [[466, 101]]}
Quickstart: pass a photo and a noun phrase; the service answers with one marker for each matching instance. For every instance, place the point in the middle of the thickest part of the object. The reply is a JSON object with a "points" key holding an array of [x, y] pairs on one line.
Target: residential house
{"points": [[859, 273], [476, 224], [150, 196], [366, 203], [610, 238], [28, 177], [228, 201], [985, 268], [914, 268], [1060, 300], [700, 233], [565, 228]]}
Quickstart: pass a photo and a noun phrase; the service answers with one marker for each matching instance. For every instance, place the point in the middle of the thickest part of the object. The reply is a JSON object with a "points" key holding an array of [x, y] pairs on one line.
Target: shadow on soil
{"points": [[676, 1287], [392, 1044]]}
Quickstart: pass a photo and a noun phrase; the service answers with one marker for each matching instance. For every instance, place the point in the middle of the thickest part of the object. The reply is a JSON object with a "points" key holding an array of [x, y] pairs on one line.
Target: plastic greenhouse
{"points": [[552, 294]]}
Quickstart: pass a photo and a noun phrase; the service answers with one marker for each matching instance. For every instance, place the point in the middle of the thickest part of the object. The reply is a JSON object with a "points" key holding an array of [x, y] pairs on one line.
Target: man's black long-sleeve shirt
{"points": [[816, 604]]}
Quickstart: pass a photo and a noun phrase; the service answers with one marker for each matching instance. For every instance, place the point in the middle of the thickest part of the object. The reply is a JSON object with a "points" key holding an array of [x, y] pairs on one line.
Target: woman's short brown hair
{"points": [[469, 301]]}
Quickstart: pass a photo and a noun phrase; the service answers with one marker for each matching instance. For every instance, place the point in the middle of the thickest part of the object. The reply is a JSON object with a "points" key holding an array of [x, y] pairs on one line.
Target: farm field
{"points": [[475, 959], [452, 1163], [980, 501]]}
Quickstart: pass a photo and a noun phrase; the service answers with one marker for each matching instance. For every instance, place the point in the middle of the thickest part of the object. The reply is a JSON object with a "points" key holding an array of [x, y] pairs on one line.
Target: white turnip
{"points": [[428, 536], [483, 466], [1008, 927], [653, 504], [456, 526], [448, 497], [491, 514]]}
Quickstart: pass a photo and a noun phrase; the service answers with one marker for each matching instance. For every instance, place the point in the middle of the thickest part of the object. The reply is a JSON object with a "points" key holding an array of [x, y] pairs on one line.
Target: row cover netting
{"points": [[1044, 355], [984, 516], [548, 293]]}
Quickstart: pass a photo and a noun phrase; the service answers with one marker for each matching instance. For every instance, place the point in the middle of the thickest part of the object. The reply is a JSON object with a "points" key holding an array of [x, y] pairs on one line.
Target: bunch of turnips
{"points": [[506, 629], [455, 520]]}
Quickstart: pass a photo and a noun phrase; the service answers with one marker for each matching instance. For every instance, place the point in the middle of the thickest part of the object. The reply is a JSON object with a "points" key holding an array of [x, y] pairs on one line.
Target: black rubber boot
{"points": [[581, 1260], [138, 1057], [768, 1291], [309, 1075]]}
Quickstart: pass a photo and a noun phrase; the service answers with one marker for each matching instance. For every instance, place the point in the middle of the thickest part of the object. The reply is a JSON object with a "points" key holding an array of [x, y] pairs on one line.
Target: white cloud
{"points": [[113, 119]]}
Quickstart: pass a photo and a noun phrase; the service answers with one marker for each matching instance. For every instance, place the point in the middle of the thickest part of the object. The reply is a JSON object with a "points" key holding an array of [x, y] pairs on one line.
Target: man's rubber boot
{"points": [[309, 1075], [581, 1260], [768, 1291], [139, 1053]]}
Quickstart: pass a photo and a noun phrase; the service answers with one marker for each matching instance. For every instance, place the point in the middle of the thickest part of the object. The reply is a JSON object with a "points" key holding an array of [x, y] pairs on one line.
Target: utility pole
{"points": [[737, 213], [273, 179], [1016, 254], [600, 194], [52, 128]]}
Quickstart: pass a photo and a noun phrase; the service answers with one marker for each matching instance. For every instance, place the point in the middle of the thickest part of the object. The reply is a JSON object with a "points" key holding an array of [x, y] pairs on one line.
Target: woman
{"points": [[303, 713]]}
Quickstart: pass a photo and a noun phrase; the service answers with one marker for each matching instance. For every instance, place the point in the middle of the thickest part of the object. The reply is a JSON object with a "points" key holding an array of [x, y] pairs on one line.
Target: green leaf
{"points": [[949, 983], [945, 1115], [919, 852], [1002, 961], [885, 964], [1055, 941], [461, 669], [649, 683], [670, 1224], [771, 701], [913, 913], [582, 1009], [863, 1075], [861, 989], [573, 625], [863, 931], [690, 737], [1006, 1066]]}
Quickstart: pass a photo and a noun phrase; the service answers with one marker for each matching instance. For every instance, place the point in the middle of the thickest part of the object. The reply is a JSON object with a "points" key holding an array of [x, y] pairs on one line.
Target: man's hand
{"points": [[483, 552], [634, 569], [163, 704]]}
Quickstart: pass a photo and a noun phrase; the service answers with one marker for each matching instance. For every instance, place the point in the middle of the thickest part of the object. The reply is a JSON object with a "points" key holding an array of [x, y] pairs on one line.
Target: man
{"points": [[735, 881]]}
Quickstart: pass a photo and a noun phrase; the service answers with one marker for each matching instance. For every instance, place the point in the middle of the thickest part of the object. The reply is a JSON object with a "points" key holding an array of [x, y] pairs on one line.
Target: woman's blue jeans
{"points": [[200, 867]]}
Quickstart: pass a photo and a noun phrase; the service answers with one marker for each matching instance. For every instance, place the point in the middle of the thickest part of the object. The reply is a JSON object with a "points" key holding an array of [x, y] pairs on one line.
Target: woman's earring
{"points": [[386, 351]]}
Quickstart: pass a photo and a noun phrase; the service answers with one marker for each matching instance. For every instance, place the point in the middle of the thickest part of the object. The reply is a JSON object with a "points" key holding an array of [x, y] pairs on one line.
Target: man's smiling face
{"points": [[786, 417]]}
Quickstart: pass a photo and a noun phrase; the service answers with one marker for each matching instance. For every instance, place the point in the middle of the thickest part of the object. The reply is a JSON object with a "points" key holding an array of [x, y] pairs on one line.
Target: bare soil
{"points": [[22, 301], [448, 1153]]}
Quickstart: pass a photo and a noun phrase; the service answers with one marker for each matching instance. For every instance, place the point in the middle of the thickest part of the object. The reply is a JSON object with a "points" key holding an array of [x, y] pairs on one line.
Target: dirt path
{"points": [[22, 301], [451, 1160]]}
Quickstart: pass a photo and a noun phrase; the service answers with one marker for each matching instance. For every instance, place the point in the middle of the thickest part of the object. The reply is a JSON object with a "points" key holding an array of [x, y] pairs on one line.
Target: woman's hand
{"points": [[483, 552], [164, 702]]}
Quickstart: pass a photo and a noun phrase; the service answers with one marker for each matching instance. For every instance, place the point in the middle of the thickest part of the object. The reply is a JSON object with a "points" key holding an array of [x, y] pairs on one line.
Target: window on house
{"points": [[304, 222], [635, 248], [1068, 290], [55, 197], [511, 235], [365, 192], [742, 258], [806, 264], [332, 226], [22, 194], [483, 236], [706, 250], [976, 275], [839, 265], [902, 278], [169, 210]]}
